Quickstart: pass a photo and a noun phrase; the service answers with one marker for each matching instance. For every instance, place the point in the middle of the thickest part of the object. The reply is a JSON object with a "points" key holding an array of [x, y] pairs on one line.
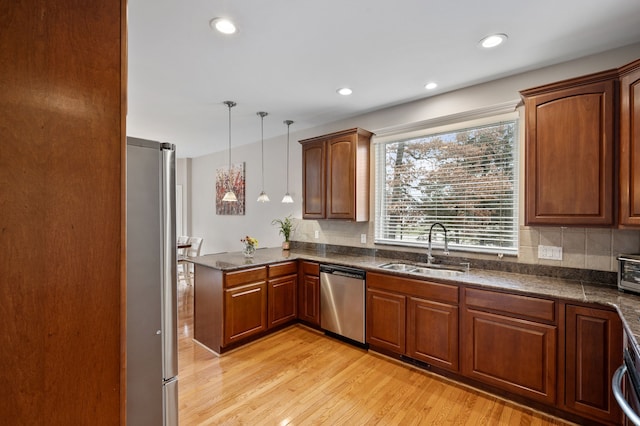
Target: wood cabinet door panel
{"points": [[386, 320], [432, 333], [245, 311], [245, 276], [313, 180], [513, 354], [341, 178], [593, 352], [569, 155], [283, 304], [562, 162], [630, 146], [518, 305], [309, 299]]}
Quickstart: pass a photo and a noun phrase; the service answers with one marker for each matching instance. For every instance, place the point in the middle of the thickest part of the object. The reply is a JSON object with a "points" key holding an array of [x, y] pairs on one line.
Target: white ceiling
{"points": [[290, 56]]}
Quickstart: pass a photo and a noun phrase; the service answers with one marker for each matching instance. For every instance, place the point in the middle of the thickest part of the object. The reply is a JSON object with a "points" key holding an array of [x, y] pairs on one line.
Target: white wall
{"points": [[583, 248]]}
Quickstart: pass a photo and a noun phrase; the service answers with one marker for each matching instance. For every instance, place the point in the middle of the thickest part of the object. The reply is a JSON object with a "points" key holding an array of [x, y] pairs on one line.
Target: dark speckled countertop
{"points": [[627, 305]]}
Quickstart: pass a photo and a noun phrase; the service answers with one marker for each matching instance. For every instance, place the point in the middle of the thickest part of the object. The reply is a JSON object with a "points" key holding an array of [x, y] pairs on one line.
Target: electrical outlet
{"points": [[317, 234], [549, 252], [363, 238]]}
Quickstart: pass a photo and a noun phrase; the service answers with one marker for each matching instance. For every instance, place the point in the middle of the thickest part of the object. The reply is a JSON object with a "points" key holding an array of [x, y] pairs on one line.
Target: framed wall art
{"points": [[232, 178]]}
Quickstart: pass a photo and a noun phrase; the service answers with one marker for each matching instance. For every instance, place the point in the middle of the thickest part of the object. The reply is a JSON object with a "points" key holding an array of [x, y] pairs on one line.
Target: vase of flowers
{"points": [[250, 245]]}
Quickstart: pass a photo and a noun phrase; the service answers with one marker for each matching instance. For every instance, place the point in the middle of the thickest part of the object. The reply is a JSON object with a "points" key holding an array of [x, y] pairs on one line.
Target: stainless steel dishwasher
{"points": [[342, 301]]}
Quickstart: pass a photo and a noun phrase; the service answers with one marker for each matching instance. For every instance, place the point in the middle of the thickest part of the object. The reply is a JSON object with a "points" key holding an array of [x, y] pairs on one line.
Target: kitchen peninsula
{"points": [[238, 299]]}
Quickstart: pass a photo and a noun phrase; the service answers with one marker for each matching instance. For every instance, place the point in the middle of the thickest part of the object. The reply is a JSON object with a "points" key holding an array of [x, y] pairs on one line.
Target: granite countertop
{"points": [[627, 305]]}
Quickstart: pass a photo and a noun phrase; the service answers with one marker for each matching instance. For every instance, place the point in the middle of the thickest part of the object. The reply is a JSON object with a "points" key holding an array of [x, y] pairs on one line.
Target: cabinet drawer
{"points": [[515, 305], [311, 268], [281, 269], [245, 276], [418, 288]]}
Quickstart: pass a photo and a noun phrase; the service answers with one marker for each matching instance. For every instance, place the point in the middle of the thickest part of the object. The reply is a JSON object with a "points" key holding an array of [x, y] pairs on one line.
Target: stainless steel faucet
{"points": [[446, 242]]}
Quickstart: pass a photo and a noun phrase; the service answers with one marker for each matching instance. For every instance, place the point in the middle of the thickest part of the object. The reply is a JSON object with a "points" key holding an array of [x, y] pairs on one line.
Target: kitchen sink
{"points": [[438, 272], [404, 267], [431, 270]]}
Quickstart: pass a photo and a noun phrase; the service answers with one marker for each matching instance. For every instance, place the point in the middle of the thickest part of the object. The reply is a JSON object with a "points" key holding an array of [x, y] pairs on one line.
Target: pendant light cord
{"points": [[288, 123], [229, 104], [262, 116]]}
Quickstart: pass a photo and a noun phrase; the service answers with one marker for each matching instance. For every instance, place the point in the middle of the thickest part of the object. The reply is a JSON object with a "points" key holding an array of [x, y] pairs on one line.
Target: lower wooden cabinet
{"points": [[418, 319], [593, 351], [510, 353], [386, 316], [309, 293], [282, 300], [245, 311], [432, 332]]}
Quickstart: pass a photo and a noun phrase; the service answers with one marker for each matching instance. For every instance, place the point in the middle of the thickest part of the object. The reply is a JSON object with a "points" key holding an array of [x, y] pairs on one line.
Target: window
{"points": [[465, 179]]}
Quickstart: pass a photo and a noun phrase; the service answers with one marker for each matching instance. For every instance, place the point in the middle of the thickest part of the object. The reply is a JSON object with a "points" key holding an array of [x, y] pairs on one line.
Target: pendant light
{"points": [[230, 196], [287, 198], [263, 197]]}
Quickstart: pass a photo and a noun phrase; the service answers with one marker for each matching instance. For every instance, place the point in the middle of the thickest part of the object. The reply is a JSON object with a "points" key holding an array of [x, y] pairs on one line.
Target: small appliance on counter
{"points": [[629, 272]]}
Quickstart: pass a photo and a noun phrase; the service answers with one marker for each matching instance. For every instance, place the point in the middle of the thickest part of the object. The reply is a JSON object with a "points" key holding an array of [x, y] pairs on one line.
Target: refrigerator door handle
{"points": [[169, 275]]}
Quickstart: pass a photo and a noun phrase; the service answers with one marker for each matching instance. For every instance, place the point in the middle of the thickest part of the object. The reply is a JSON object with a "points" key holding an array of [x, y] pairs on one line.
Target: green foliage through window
{"points": [[466, 179]]}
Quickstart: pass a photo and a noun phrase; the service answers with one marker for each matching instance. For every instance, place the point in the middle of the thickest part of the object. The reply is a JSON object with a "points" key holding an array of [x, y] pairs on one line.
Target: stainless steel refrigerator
{"points": [[152, 341]]}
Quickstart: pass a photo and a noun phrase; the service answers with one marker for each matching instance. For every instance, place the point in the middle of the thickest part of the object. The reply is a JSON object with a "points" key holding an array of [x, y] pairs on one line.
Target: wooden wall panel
{"points": [[61, 219]]}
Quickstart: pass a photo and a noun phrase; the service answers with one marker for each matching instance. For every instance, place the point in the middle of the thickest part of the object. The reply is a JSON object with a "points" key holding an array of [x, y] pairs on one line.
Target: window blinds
{"points": [[465, 179]]}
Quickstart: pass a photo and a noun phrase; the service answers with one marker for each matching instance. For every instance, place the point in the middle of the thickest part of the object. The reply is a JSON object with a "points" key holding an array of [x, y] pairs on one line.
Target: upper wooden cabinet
{"points": [[335, 173], [630, 145], [569, 153]]}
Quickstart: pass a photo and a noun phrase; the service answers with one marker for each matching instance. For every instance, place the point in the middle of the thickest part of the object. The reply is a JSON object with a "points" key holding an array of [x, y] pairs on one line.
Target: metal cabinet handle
{"points": [[616, 384]]}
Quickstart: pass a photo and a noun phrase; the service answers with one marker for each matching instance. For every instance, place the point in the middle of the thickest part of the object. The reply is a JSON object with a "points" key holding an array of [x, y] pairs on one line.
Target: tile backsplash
{"points": [[582, 248]]}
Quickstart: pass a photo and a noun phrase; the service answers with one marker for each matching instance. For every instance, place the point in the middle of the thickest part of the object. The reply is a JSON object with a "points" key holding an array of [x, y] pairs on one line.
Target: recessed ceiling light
{"points": [[223, 25], [493, 40], [430, 86], [344, 91]]}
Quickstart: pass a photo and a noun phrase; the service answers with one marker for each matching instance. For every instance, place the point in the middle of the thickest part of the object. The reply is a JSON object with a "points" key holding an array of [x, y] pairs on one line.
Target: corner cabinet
{"points": [[630, 145], [335, 176], [570, 148]]}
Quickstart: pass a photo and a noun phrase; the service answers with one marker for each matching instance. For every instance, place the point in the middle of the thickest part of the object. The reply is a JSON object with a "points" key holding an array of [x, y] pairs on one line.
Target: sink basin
{"points": [[438, 272], [404, 267], [432, 271]]}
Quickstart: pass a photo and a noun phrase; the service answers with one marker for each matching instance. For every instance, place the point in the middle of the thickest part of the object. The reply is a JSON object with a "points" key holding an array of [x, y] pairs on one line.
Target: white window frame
{"points": [[477, 118]]}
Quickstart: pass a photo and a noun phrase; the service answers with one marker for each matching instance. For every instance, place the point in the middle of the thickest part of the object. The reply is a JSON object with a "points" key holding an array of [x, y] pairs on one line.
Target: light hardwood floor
{"points": [[301, 377]]}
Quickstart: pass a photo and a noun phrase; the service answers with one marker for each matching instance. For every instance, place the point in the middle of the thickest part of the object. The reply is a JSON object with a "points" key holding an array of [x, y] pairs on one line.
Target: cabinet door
{"points": [[283, 303], [593, 352], [309, 299], [509, 353], [386, 313], [432, 333], [569, 156], [341, 177], [630, 145], [245, 311], [313, 180]]}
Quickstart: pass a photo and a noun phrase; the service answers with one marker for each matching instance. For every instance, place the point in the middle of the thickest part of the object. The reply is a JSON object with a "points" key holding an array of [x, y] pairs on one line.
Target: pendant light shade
{"points": [[287, 198], [263, 197], [229, 196]]}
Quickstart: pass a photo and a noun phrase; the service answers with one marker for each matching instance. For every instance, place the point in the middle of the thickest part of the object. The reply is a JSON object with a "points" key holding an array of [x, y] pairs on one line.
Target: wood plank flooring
{"points": [[301, 377]]}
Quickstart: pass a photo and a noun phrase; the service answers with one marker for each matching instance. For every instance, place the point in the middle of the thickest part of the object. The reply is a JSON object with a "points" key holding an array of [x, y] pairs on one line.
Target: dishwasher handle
{"points": [[343, 271]]}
